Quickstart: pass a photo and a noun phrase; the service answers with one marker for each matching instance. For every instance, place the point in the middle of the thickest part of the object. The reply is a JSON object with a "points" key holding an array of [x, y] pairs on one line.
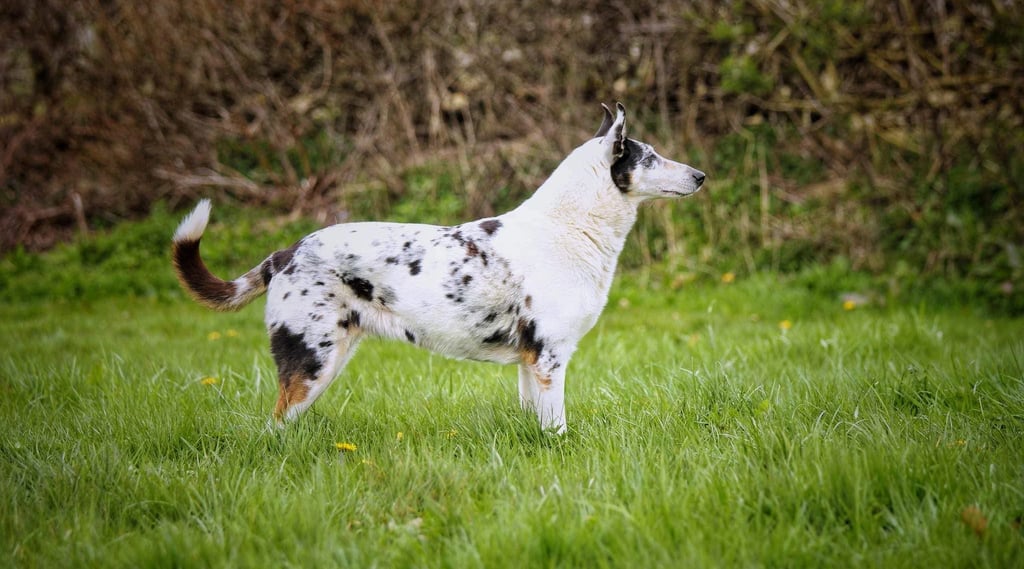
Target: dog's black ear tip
{"points": [[620, 107]]}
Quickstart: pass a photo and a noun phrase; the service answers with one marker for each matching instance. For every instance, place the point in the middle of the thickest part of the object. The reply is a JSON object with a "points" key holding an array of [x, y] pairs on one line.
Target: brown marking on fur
{"points": [[197, 279], [490, 226], [528, 356], [528, 302], [293, 390], [543, 381]]}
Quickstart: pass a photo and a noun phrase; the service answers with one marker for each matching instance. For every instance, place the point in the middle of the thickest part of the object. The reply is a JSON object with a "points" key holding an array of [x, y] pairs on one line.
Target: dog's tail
{"points": [[203, 285]]}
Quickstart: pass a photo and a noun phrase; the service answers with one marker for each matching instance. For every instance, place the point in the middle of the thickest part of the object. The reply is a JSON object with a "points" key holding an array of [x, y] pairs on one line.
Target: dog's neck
{"points": [[580, 203]]}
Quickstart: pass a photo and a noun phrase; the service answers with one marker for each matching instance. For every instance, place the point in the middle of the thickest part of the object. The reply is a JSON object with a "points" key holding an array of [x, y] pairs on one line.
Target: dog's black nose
{"points": [[698, 178]]}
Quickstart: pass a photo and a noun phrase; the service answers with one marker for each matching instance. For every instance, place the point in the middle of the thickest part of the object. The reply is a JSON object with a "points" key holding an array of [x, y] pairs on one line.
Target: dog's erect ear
{"points": [[615, 137], [606, 123]]}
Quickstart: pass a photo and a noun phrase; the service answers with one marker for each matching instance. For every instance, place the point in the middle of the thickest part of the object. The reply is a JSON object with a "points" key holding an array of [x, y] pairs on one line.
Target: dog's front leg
{"points": [[546, 387]]}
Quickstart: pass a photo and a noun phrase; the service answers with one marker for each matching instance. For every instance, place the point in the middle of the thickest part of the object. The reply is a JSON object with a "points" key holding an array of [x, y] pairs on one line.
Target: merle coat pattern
{"points": [[523, 287]]}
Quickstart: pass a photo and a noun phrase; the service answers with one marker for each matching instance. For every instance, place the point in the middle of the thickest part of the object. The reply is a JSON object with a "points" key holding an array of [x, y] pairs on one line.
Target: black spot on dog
{"points": [[407, 244], [318, 283], [349, 321], [471, 248], [466, 279], [391, 260], [483, 257], [360, 286], [286, 295], [414, 267], [326, 344], [498, 337], [490, 317], [304, 292], [292, 355], [490, 226], [277, 261], [387, 296], [410, 336]]}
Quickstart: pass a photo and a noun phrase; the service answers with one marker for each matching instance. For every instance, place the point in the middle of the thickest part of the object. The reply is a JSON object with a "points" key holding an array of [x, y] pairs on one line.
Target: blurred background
{"points": [[878, 137]]}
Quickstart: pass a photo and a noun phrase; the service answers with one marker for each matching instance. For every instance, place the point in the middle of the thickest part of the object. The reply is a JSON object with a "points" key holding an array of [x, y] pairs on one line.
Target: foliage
{"points": [[886, 134]]}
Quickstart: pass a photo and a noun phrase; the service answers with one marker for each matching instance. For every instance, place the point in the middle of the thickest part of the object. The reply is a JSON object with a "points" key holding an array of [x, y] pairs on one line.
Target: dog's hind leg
{"points": [[304, 373]]}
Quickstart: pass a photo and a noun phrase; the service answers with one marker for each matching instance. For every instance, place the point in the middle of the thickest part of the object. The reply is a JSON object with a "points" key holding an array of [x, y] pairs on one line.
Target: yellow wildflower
{"points": [[213, 336], [209, 381], [785, 325], [451, 433], [231, 333], [728, 277], [849, 305], [399, 436], [345, 447]]}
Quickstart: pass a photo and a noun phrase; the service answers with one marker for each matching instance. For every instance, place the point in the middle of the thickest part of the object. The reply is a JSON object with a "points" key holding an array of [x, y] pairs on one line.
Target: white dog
{"points": [[523, 287]]}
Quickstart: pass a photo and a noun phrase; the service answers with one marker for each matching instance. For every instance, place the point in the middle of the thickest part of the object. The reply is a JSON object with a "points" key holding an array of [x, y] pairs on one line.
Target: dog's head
{"points": [[636, 169]]}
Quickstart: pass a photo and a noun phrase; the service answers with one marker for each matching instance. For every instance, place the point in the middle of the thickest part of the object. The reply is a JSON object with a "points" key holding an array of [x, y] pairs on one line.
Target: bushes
{"points": [[843, 128]]}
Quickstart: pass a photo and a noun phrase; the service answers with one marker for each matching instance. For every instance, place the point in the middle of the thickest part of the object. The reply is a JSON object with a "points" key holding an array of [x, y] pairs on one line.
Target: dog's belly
{"points": [[444, 332]]}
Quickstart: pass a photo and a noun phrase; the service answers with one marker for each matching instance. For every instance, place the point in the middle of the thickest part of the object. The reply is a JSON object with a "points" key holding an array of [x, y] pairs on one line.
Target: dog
{"points": [[523, 287]]}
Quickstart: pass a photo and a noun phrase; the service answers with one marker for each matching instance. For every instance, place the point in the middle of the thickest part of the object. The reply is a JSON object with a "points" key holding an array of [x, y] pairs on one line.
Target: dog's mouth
{"points": [[680, 194]]}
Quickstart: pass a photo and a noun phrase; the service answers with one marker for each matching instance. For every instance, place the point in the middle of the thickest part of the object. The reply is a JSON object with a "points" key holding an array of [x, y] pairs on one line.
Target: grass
{"points": [[702, 433]]}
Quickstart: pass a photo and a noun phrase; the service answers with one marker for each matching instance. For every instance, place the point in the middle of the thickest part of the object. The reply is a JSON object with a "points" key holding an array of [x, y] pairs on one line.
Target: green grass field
{"points": [[754, 423]]}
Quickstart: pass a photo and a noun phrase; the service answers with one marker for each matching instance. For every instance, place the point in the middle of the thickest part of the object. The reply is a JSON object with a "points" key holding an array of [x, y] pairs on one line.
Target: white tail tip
{"points": [[192, 227]]}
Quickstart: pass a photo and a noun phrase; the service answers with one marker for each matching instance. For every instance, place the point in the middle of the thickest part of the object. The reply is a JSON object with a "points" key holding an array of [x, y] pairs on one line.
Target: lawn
{"points": [[746, 423]]}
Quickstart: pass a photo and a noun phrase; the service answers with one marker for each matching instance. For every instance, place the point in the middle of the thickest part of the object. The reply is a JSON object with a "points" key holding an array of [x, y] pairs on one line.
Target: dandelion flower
{"points": [[231, 333], [849, 305], [209, 381], [399, 436], [345, 447], [451, 434], [213, 336], [973, 517], [785, 325], [728, 277]]}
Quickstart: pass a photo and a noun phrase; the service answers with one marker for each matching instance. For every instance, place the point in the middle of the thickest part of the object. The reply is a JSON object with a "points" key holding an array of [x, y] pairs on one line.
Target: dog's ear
{"points": [[606, 123], [615, 137]]}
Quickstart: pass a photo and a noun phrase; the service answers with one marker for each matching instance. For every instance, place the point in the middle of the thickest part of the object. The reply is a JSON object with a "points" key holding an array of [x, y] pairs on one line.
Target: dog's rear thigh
{"points": [[300, 386]]}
